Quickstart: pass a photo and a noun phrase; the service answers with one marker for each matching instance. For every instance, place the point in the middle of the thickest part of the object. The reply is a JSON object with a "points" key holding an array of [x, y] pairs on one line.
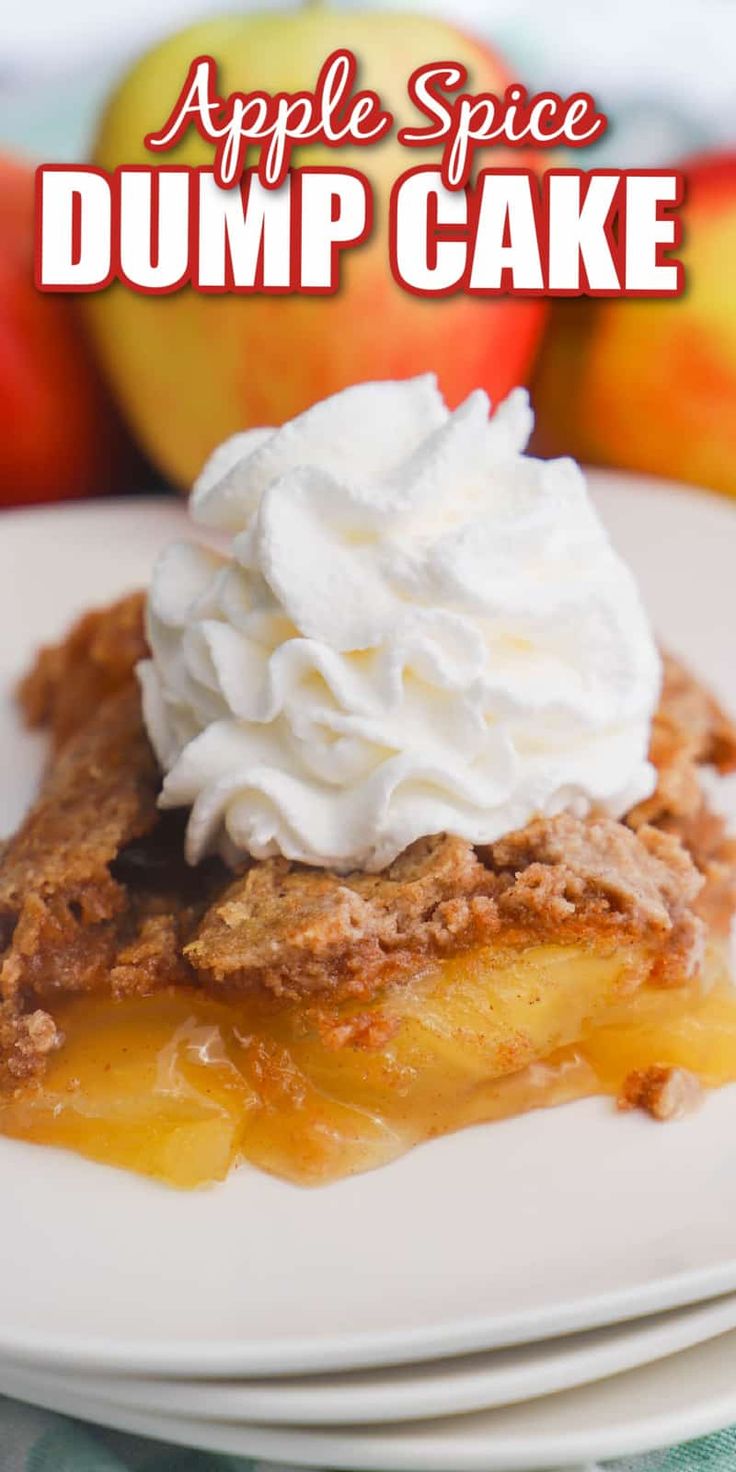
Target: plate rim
{"points": [[308, 1447], [641, 1343], [206, 1358]]}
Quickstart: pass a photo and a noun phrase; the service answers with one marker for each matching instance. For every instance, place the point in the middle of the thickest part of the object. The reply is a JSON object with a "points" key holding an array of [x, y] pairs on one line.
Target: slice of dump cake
{"points": [[194, 976], [177, 1019]]}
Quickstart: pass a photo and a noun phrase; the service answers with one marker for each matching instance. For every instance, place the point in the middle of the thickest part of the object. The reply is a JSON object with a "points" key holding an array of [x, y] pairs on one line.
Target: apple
{"points": [[59, 433], [191, 368], [651, 385]]}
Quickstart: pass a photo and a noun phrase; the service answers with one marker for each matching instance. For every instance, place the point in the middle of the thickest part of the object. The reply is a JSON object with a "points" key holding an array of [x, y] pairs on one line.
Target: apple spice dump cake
{"points": [[385, 821], [320, 1023]]}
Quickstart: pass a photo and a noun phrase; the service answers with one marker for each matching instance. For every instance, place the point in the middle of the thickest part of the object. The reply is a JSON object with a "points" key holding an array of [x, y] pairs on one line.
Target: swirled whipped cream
{"points": [[417, 628]]}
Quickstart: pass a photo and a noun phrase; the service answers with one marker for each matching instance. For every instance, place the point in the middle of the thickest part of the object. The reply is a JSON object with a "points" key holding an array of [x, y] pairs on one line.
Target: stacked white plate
{"points": [[553, 1289]]}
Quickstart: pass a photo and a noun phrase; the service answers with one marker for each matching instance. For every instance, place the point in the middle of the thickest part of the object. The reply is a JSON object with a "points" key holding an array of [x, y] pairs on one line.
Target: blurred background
{"points": [[119, 393]]}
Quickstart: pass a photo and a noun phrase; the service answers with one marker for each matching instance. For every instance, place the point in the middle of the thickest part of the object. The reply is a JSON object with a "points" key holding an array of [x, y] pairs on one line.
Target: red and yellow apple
{"points": [[59, 433], [190, 368], [650, 385]]}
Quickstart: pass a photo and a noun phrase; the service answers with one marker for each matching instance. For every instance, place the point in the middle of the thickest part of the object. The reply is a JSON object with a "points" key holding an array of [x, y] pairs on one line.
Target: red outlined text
{"points": [[158, 229], [569, 233], [332, 114], [252, 222], [601, 233], [475, 120]]}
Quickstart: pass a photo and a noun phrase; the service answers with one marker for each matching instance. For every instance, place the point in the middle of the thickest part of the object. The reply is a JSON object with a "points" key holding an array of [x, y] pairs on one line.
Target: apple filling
{"points": [[182, 1086]]}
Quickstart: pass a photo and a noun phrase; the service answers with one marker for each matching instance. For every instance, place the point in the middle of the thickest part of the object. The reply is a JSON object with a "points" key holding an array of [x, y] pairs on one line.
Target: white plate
{"points": [[439, 1388], [688, 1395], [559, 1221]]}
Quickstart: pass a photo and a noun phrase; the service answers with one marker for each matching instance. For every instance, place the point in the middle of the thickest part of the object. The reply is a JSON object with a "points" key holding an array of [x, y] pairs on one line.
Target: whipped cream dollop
{"points": [[417, 628]]}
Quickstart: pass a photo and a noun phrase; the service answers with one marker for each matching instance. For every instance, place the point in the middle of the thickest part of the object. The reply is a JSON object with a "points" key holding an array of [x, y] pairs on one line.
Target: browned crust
{"points": [[94, 894], [59, 903], [692, 731], [662, 1091], [299, 931], [98, 794], [26, 1039], [69, 681]]}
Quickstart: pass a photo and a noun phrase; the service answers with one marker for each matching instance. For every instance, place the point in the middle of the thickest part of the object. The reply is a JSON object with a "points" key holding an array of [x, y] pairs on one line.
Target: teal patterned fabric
{"points": [[33, 1440]]}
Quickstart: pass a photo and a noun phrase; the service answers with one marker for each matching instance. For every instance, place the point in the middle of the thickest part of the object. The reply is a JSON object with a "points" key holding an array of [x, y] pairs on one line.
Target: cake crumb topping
{"points": [[664, 1093], [94, 894]]}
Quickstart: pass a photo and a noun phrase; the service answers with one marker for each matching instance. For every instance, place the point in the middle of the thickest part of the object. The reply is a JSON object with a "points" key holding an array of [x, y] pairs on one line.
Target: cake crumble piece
{"points": [[664, 1092]]}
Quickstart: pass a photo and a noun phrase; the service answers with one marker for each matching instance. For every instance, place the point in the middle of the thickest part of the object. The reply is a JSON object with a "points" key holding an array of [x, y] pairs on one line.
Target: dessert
{"points": [[387, 821]]}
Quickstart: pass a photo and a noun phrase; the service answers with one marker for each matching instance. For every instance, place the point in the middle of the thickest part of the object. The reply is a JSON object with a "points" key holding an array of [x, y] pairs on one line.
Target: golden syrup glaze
{"points": [[182, 1086]]}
